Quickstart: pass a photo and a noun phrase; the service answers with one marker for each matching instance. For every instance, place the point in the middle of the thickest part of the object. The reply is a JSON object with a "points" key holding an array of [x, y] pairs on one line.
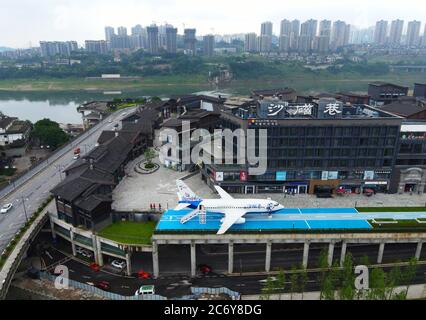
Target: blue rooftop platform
{"points": [[258, 222]]}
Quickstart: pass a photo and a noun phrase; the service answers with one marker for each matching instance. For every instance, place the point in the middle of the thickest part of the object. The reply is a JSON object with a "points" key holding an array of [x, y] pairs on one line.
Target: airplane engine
{"points": [[241, 221]]}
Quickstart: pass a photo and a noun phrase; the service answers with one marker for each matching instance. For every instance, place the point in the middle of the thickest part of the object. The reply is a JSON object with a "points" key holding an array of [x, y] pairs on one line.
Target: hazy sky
{"points": [[25, 21]]}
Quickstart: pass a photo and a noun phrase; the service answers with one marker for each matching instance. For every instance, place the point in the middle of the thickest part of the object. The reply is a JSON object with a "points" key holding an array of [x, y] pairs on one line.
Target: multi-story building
{"points": [[380, 32], [61, 48], [153, 46], [122, 31], [312, 145], [96, 46], [208, 45], [340, 34], [413, 34], [308, 31], [266, 29], [250, 42], [382, 93], [285, 28], [295, 32], [109, 32], [395, 34], [171, 38], [190, 41], [284, 43], [325, 28], [120, 42], [420, 90], [265, 38]]}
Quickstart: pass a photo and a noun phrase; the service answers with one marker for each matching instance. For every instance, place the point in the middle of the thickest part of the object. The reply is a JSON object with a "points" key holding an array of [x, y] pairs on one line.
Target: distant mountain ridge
{"points": [[6, 49]]}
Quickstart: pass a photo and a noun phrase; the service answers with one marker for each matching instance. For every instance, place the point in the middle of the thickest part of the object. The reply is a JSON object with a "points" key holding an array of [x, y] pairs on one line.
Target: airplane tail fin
{"points": [[184, 192]]}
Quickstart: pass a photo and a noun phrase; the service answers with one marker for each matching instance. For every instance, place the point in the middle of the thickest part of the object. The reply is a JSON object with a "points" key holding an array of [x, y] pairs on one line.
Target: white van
{"points": [[145, 290]]}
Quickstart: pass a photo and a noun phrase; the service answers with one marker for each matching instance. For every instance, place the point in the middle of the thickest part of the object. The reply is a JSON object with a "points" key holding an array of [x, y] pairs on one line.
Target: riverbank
{"points": [[170, 85]]}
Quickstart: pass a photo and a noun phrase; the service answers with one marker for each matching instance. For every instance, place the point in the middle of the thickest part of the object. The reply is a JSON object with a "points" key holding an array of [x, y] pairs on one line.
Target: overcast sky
{"points": [[28, 21]]}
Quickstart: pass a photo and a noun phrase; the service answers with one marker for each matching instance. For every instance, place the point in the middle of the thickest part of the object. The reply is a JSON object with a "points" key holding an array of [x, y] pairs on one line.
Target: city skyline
{"points": [[58, 20]]}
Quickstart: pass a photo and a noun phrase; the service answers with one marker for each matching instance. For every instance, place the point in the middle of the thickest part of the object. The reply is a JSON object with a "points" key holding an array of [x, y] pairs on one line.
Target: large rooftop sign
{"points": [[268, 109]]}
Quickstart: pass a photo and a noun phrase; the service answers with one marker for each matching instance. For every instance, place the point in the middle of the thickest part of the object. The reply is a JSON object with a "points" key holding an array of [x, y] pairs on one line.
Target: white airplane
{"points": [[233, 209]]}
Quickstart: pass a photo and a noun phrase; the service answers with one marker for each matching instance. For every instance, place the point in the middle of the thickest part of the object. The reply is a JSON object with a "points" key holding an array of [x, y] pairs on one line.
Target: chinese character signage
{"points": [[332, 109]]}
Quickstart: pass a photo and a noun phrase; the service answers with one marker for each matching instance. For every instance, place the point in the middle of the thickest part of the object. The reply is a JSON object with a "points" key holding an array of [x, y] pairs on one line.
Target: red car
{"points": [[144, 275], [95, 267], [205, 269], [103, 285]]}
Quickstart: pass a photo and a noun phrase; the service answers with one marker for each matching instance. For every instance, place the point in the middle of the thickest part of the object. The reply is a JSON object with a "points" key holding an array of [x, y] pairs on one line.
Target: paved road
{"points": [[34, 187], [179, 285]]}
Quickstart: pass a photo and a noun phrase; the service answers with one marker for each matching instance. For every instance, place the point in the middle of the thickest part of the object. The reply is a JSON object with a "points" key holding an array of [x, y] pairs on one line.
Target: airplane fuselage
{"points": [[248, 205]]}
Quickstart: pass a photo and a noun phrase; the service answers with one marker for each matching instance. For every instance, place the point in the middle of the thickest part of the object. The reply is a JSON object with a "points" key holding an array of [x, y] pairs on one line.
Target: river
{"points": [[57, 106]]}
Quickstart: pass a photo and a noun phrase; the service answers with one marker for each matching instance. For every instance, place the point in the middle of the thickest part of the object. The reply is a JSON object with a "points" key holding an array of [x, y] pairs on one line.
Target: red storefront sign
{"points": [[243, 175]]}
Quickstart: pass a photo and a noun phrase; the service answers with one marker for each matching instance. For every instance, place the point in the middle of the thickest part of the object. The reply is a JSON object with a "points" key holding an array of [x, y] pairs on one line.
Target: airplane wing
{"points": [[223, 194], [231, 216]]}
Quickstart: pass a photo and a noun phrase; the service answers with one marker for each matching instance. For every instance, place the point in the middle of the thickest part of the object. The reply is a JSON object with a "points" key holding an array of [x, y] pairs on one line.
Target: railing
{"points": [[105, 294], [200, 290], [9, 268]]}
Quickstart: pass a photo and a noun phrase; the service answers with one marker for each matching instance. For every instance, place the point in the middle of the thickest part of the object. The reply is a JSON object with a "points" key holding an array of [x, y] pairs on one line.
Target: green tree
{"points": [[327, 287], [280, 282], [323, 265], [149, 155], [268, 289], [393, 279], [303, 279], [409, 273], [347, 289], [293, 281], [377, 285], [48, 132]]}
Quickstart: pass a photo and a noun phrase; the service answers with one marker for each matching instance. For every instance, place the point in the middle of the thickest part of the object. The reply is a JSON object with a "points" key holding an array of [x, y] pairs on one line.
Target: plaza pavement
{"points": [[137, 191]]}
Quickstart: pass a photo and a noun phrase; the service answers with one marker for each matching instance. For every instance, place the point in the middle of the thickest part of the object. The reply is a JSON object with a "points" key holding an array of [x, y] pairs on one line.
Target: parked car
{"points": [[103, 285], [144, 275], [95, 267], [84, 252], [119, 264], [6, 208], [145, 290], [204, 269]]}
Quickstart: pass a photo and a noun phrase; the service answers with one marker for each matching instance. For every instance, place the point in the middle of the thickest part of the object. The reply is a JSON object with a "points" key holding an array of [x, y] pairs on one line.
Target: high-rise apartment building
{"points": [[190, 41], [208, 45], [250, 42], [395, 34], [295, 32], [171, 37], [308, 30], [413, 33], [340, 34], [153, 46], [109, 32], [96, 46], [122, 31], [285, 28], [60, 48], [380, 32]]}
